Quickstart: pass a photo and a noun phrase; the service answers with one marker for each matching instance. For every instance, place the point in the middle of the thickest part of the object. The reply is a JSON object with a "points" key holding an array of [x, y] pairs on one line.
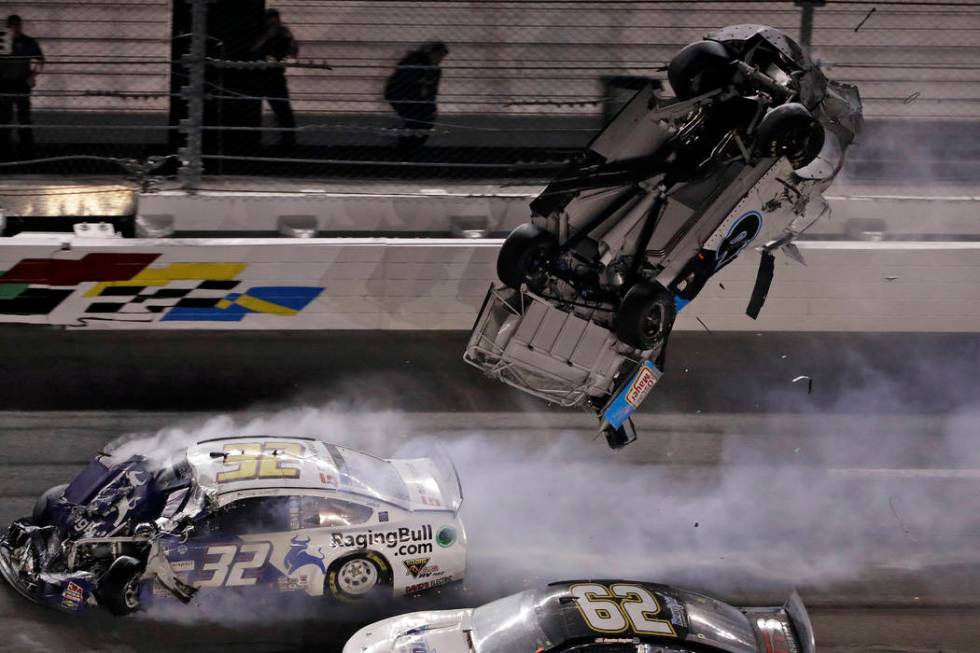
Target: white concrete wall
{"points": [[440, 284]]}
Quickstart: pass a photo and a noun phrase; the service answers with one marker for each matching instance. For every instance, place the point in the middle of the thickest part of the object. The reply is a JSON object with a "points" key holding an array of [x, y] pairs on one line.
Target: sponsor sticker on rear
{"points": [[632, 395]]}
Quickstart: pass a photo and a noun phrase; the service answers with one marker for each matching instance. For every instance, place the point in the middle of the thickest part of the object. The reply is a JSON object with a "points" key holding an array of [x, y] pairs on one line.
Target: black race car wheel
{"points": [[645, 316], [40, 514], [525, 255], [699, 68], [357, 577], [119, 589], [790, 130]]}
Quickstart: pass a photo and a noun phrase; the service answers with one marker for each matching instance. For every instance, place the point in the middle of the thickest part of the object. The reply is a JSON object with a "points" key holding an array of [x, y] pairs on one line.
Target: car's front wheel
{"points": [[790, 130], [525, 255], [357, 577], [645, 316], [119, 589]]}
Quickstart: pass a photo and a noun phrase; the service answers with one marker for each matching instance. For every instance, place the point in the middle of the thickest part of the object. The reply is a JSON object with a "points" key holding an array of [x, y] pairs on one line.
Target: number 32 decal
{"points": [[233, 565], [619, 607]]}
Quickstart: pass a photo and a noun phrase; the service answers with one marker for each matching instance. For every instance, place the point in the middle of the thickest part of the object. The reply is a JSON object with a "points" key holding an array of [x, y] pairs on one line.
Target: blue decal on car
{"points": [[632, 395], [298, 556]]}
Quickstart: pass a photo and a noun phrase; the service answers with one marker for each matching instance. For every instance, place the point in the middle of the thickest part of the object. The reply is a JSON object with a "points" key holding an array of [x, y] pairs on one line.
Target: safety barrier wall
{"points": [[271, 284], [441, 207]]}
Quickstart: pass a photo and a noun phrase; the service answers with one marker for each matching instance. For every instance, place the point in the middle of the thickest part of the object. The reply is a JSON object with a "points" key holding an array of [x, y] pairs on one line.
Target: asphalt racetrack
{"points": [[859, 490]]}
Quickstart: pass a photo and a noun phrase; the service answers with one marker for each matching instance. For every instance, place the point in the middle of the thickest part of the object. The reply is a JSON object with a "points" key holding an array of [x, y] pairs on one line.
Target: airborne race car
{"points": [[595, 617], [287, 514], [670, 192]]}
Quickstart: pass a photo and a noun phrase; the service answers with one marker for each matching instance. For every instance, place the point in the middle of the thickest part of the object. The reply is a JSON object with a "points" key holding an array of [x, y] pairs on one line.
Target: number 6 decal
{"points": [[615, 608], [601, 614]]}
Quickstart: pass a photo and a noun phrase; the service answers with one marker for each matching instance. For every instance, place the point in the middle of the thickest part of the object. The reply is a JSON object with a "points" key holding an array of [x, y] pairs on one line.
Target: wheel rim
{"points": [[537, 264], [796, 143], [131, 593], [653, 324], [357, 577]]}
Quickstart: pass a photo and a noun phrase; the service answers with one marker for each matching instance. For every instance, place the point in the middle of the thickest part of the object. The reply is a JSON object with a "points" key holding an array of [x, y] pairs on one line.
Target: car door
{"points": [[233, 546]]}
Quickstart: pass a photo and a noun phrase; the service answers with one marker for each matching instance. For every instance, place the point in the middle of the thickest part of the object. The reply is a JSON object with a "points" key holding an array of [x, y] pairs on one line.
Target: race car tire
{"points": [[40, 513], [524, 255], [357, 577], [645, 316], [699, 68], [790, 130], [119, 589]]}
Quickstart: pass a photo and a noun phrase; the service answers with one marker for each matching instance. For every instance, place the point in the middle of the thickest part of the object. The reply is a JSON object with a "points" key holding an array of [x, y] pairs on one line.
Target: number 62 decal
{"points": [[619, 607]]}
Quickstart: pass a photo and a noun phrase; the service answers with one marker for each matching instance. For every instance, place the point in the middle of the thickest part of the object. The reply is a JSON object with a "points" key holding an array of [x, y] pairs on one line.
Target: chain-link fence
{"points": [[431, 88]]}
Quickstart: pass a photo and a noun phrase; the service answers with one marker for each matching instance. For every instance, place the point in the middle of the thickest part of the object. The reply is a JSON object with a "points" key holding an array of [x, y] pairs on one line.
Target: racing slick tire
{"points": [[357, 577], [790, 130], [119, 589], [645, 316], [524, 255], [700, 67], [40, 512]]}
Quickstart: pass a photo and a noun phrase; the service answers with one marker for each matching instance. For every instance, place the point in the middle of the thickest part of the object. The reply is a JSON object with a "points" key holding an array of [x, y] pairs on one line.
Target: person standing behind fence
{"points": [[18, 73], [275, 44], [411, 90]]}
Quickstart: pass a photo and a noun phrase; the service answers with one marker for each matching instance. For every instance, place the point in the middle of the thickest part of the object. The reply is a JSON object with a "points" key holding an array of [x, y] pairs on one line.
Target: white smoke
{"points": [[757, 523]]}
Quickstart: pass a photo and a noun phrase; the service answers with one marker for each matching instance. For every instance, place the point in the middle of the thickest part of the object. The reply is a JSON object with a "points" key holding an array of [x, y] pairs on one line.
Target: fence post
{"points": [[806, 20], [191, 163]]}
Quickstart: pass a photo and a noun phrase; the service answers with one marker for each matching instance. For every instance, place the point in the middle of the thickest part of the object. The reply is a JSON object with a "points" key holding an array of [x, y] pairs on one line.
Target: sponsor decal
{"points": [[429, 584], [383, 516], [73, 596], [678, 615], [415, 566], [739, 236], [420, 568], [446, 536], [287, 584], [401, 541], [640, 387], [299, 556], [182, 565]]}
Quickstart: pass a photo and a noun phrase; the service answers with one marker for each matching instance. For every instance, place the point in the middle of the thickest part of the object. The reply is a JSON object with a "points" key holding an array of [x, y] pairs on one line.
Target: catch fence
{"points": [[196, 90]]}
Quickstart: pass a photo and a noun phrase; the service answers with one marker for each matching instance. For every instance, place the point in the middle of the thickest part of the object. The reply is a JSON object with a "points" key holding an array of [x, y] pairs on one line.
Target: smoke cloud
{"points": [[840, 507]]}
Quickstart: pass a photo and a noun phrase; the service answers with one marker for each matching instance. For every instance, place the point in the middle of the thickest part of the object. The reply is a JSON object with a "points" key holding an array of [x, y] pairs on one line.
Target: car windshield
{"points": [[367, 475], [507, 625]]}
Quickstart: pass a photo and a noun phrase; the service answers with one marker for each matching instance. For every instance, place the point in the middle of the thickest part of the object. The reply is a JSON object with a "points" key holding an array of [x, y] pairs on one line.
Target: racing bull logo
{"points": [[299, 557]]}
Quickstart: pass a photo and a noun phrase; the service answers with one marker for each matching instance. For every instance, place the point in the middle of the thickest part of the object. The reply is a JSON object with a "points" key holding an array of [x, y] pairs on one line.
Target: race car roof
{"points": [[689, 616], [232, 465]]}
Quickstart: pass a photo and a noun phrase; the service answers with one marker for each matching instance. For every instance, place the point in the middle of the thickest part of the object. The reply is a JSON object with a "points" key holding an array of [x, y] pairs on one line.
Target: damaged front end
{"points": [[33, 561], [92, 541]]}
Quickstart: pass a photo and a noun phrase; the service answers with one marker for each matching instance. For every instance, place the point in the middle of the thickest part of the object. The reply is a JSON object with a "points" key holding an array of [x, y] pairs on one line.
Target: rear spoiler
{"points": [[798, 616]]}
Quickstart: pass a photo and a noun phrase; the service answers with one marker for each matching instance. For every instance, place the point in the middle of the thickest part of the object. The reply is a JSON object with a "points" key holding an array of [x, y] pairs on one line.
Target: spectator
{"points": [[18, 74], [275, 44], [412, 89]]}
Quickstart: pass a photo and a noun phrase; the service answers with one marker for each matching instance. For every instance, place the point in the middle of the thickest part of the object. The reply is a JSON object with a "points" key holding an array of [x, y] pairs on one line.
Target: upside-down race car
{"points": [[595, 617], [670, 192], [280, 513]]}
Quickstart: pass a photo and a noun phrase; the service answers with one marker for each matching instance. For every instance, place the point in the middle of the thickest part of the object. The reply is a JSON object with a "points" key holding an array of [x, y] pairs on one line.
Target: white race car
{"points": [[249, 512], [669, 193], [608, 616]]}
